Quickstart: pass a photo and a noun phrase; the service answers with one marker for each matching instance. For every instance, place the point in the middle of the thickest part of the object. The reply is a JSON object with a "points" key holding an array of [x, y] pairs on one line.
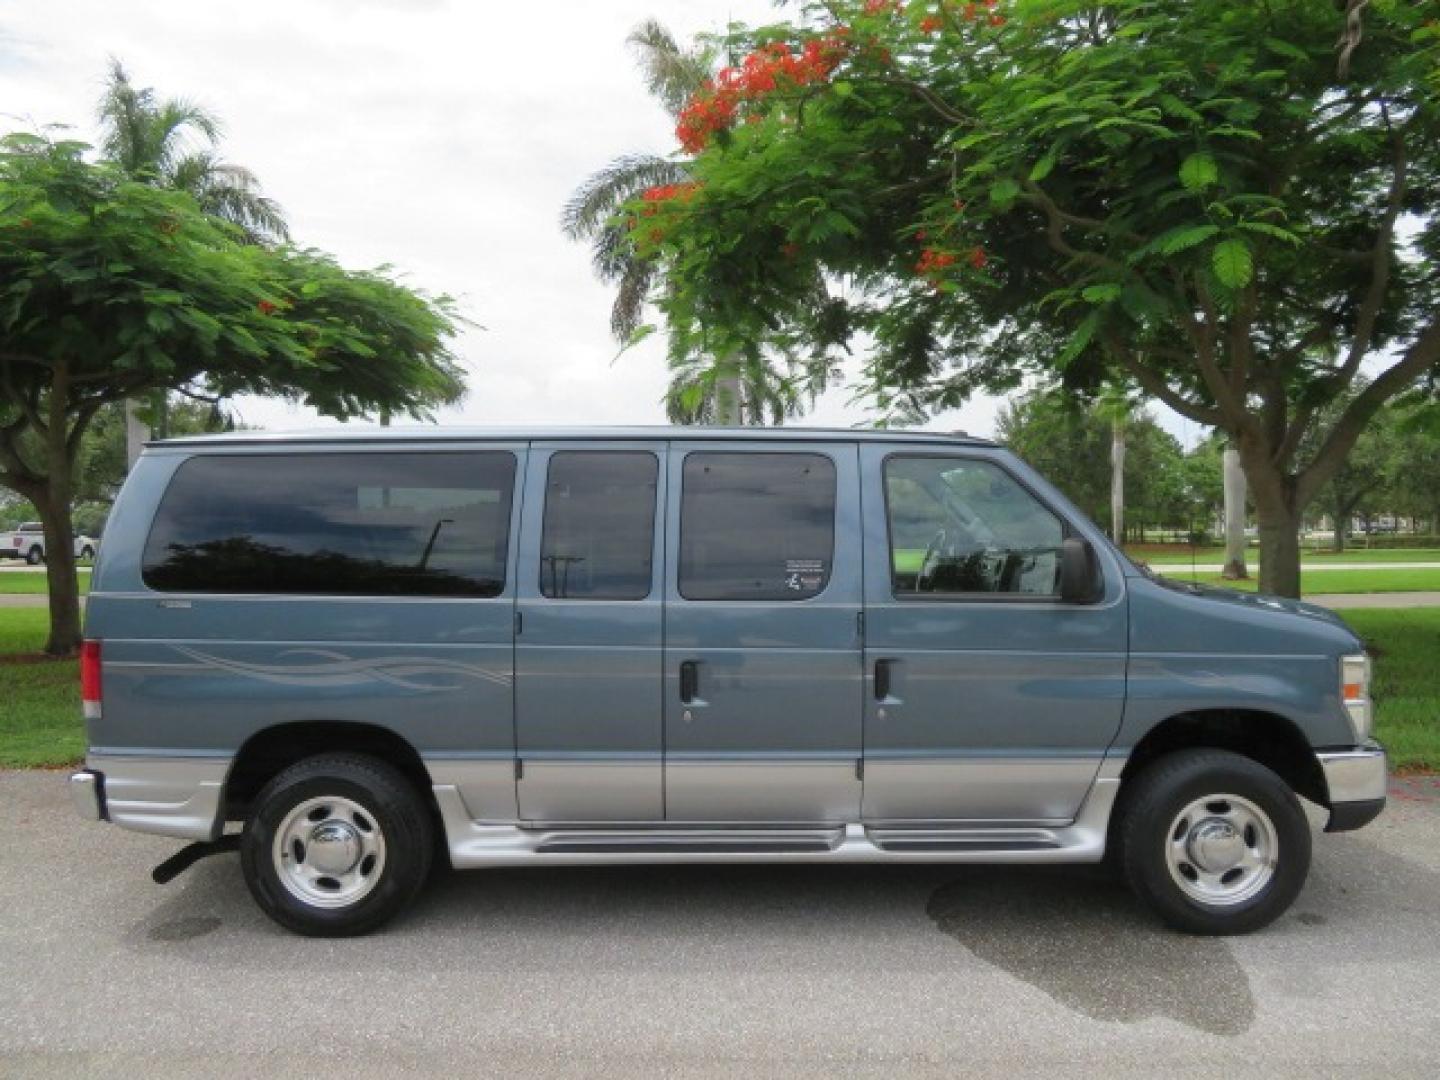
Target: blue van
{"points": [[560, 647]]}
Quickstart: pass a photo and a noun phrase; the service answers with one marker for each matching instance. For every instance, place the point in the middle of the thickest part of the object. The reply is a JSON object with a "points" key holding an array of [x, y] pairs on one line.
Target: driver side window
{"points": [[965, 527]]}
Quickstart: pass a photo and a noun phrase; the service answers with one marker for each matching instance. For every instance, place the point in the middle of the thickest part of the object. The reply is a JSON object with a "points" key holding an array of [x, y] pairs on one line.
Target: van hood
{"points": [[1261, 601]]}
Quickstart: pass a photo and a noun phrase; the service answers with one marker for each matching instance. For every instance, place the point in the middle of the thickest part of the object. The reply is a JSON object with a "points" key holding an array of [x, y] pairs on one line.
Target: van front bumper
{"points": [[1355, 780]]}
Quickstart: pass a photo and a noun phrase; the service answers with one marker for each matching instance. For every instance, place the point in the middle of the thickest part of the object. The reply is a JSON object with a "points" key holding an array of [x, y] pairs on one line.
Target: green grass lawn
{"points": [[25, 582], [1213, 556], [1406, 645], [40, 720], [1330, 581]]}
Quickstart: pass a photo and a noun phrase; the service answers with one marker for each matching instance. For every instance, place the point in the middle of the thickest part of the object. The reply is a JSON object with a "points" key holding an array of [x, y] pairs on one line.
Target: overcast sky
{"points": [[441, 138]]}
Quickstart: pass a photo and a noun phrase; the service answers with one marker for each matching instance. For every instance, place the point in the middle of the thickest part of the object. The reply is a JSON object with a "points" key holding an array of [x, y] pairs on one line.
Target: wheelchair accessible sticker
{"points": [[804, 575]]}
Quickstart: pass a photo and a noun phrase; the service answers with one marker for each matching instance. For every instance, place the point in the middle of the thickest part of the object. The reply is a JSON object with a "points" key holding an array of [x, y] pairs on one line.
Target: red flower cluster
{"points": [[715, 107], [881, 7], [656, 197], [665, 192], [932, 261], [931, 23], [266, 307]]}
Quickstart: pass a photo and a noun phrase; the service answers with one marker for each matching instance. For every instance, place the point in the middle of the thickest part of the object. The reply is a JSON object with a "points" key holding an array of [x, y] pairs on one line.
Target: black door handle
{"points": [[689, 681], [882, 679]]}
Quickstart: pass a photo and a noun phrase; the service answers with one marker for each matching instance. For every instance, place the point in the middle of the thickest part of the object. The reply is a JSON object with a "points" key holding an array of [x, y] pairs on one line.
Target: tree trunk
{"points": [[1338, 544], [1234, 478], [64, 584], [1279, 547], [727, 394], [1117, 481]]}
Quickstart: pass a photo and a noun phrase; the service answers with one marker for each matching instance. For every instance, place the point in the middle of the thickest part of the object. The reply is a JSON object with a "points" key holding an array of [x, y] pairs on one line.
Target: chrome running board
{"points": [[475, 844]]}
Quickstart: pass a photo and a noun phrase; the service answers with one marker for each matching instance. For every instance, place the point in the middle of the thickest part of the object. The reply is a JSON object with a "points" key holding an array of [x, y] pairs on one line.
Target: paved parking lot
{"points": [[758, 971]]}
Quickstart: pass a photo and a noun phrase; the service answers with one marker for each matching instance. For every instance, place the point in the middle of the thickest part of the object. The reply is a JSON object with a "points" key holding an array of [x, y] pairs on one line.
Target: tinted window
{"points": [[961, 527], [363, 524], [756, 526], [599, 523]]}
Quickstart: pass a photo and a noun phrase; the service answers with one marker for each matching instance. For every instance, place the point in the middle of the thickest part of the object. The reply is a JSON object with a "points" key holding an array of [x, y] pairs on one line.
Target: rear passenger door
{"points": [[762, 652], [987, 698], [590, 622], [299, 584]]}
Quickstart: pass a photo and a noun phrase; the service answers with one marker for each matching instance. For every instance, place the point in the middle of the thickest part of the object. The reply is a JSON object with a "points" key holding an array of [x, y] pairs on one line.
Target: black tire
{"points": [[388, 799], [87, 553], [1152, 808], [35, 556]]}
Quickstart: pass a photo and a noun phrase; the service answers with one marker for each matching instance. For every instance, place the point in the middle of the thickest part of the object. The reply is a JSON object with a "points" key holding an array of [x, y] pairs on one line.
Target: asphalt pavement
{"points": [[711, 971]]}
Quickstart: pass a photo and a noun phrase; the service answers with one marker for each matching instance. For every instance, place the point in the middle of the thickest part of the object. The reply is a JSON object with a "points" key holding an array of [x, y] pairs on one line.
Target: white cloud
{"points": [[438, 137]]}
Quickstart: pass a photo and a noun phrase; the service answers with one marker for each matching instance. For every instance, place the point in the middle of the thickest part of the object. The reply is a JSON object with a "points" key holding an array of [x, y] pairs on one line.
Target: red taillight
{"points": [[90, 678]]}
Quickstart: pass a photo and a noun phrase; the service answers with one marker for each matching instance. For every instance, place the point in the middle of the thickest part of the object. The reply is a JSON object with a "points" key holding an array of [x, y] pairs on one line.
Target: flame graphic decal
{"points": [[336, 669]]}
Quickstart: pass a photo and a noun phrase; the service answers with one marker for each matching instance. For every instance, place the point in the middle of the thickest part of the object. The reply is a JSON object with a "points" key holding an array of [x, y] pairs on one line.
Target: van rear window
{"points": [[358, 524]]}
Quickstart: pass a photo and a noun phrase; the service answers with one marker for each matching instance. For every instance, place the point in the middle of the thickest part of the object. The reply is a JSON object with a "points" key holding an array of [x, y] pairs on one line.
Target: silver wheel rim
{"points": [[1222, 850], [329, 852]]}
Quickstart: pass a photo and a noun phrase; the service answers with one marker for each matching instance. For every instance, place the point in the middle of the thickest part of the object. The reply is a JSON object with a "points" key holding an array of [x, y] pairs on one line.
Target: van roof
{"points": [[369, 433]]}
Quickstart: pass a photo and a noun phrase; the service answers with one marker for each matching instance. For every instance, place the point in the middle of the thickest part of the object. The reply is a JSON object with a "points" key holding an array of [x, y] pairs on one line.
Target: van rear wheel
{"points": [[35, 556], [336, 845], [1214, 842]]}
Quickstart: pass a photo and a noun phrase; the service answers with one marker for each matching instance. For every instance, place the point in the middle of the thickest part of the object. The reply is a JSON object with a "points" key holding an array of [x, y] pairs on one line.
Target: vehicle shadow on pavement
{"points": [[1080, 937]]}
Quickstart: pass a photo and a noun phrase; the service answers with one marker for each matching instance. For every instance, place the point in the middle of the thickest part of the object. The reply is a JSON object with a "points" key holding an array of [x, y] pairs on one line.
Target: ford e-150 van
{"points": [[558, 648]]}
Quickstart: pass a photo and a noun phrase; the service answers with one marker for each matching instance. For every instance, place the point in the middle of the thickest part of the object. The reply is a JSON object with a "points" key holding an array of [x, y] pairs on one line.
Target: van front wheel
{"points": [[336, 845], [1214, 842]]}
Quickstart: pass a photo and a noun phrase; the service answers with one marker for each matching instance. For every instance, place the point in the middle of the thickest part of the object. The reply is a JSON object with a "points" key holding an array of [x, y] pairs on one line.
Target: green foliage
{"points": [[1068, 440], [1233, 264], [109, 288], [971, 202]]}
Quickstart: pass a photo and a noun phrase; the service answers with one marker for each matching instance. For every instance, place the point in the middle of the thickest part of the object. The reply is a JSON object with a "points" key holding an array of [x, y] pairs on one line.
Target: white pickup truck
{"points": [[28, 543]]}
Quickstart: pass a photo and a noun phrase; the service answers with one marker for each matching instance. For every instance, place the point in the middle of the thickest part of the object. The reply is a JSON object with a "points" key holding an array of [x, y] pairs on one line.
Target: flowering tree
{"points": [[110, 288], [703, 390], [1206, 199]]}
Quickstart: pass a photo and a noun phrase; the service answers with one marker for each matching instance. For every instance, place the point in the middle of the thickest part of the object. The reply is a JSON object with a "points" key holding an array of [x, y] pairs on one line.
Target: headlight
{"points": [[1355, 693]]}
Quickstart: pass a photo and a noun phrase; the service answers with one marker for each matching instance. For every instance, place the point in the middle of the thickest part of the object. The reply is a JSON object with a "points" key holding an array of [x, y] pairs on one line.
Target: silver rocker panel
{"points": [[476, 845]]}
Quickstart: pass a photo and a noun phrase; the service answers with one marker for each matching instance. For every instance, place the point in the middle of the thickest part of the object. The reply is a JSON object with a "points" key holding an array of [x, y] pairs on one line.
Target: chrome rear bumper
{"points": [[171, 796], [87, 792]]}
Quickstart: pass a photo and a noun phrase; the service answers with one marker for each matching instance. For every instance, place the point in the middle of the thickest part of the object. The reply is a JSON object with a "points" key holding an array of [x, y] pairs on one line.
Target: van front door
{"points": [[762, 650], [589, 622], [987, 699]]}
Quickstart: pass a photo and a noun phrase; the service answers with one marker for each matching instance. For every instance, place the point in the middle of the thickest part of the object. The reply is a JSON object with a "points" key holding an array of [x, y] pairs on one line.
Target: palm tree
{"points": [[173, 144], [1115, 406], [727, 390], [1234, 488]]}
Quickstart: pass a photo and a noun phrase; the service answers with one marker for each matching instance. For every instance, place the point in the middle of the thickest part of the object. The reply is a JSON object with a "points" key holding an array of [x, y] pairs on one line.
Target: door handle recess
{"points": [[689, 681], [882, 679]]}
